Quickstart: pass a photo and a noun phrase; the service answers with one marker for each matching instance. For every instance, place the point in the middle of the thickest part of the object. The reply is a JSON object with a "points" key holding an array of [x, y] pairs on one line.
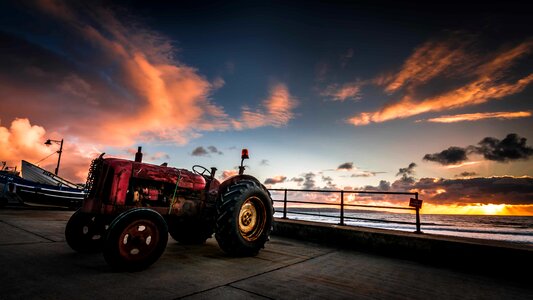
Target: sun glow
{"points": [[468, 163], [479, 209]]}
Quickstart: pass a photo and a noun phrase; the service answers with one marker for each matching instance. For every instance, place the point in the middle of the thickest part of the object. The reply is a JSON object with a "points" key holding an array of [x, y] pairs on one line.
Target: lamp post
{"points": [[48, 143]]}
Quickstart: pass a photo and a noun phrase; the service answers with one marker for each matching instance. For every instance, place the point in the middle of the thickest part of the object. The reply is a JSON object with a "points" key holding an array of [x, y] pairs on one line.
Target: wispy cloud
{"points": [[276, 110], [486, 80], [428, 61], [346, 57], [348, 91], [479, 116], [366, 174], [321, 71]]}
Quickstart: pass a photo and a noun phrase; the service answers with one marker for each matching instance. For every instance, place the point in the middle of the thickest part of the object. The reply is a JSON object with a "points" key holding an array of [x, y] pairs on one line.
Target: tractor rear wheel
{"points": [[85, 232], [135, 239], [244, 218]]}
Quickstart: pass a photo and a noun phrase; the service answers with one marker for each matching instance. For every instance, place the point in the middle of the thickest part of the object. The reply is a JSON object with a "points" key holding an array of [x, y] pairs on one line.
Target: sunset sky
{"points": [[374, 95]]}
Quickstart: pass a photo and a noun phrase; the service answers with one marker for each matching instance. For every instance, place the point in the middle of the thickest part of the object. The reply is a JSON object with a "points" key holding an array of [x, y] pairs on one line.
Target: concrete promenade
{"points": [[36, 263]]}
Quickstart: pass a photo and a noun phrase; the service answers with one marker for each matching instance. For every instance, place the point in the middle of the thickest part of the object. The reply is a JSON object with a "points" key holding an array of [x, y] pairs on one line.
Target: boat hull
{"points": [[16, 190], [37, 174]]}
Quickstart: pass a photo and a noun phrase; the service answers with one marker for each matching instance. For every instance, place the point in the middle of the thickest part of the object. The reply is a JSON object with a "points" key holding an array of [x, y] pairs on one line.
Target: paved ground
{"points": [[36, 263]]}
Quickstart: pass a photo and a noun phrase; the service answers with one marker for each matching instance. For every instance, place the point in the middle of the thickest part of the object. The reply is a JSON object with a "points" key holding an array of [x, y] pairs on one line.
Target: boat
{"points": [[39, 175], [38, 187]]}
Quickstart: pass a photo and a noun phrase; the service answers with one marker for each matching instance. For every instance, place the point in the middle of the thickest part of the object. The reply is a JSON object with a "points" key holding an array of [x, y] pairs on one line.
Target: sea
{"points": [[514, 229]]}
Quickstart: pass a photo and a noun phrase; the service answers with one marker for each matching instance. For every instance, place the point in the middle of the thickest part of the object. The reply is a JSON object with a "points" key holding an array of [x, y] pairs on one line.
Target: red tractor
{"points": [[131, 207]]}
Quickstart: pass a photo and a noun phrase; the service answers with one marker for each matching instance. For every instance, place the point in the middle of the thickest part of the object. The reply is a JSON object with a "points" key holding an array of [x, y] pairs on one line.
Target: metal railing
{"points": [[342, 205]]}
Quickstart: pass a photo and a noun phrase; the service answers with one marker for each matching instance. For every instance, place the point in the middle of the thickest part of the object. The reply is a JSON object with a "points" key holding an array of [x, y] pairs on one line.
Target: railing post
{"points": [[342, 208], [285, 205], [417, 217]]}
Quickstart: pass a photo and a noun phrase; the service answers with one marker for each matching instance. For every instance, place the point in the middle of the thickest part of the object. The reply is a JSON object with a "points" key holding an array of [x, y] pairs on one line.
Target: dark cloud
{"points": [[410, 170], [512, 147], [450, 156], [345, 166], [309, 181], [495, 190], [406, 180], [404, 183], [275, 180], [298, 180], [366, 174], [214, 149], [467, 174], [483, 190], [199, 151], [329, 182], [383, 186]]}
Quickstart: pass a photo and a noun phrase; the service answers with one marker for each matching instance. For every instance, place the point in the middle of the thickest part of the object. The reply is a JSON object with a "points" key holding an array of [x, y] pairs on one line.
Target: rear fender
{"points": [[232, 180]]}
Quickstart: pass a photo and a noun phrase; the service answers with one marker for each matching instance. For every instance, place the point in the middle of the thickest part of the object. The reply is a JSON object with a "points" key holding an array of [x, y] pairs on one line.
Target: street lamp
{"points": [[48, 143]]}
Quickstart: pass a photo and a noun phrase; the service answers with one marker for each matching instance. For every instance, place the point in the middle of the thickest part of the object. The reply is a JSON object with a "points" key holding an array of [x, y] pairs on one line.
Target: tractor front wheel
{"points": [[85, 232], [244, 218], [135, 239]]}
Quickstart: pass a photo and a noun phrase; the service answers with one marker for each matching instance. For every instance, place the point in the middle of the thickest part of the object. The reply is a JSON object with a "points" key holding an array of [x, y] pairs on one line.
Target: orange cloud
{"points": [[25, 141], [130, 88], [480, 116], [488, 85], [428, 61], [228, 173], [276, 110], [22, 139], [341, 93], [149, 95]]}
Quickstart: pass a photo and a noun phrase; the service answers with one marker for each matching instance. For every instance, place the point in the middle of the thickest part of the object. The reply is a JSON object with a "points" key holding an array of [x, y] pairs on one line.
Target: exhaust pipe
{"points": [[139, 155]]}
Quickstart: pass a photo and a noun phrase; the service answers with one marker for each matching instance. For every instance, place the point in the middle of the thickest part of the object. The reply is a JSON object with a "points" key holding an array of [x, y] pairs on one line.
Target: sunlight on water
{"points": [[499, 228]]}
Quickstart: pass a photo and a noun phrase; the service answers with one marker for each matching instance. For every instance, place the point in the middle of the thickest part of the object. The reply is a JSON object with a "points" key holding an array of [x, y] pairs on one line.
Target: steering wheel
{"points": [[201, 170]]}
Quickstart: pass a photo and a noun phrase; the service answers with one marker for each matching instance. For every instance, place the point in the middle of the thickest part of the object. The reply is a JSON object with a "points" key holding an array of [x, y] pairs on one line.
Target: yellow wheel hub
{"points": [[252, 217]]}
